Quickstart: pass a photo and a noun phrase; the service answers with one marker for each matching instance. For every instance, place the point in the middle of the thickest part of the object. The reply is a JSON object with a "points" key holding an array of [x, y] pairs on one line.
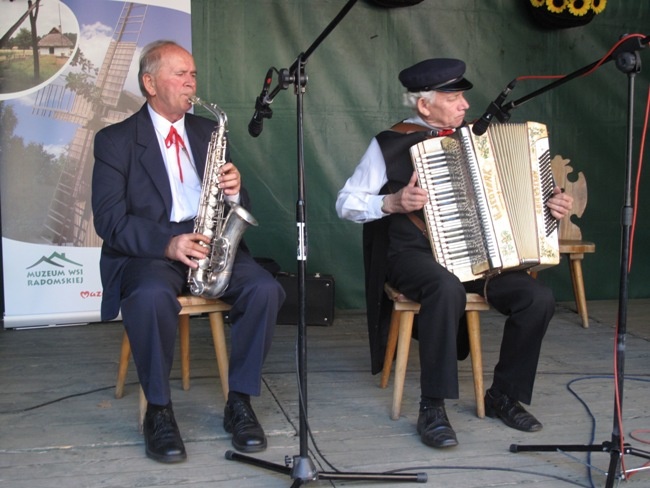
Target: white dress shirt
{"points": [[186, 193], [359, 199]]}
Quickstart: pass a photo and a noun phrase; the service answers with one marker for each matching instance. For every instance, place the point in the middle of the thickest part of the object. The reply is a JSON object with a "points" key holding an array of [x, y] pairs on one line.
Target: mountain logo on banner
{"points": [[53, 258], [54, 270]]}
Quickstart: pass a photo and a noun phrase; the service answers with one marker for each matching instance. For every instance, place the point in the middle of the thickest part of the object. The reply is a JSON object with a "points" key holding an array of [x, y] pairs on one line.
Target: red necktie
{"points": [[174, 138]]}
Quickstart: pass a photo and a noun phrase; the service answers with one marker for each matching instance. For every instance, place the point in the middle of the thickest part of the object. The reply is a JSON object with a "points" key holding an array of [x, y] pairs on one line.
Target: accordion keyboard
{"points": [[451, 216]]}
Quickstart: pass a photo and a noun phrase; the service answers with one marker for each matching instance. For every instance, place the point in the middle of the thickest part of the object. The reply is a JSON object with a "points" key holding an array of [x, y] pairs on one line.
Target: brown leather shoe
{"points": [[434, 427], [162, 439], [510, 412], [240, 421]]}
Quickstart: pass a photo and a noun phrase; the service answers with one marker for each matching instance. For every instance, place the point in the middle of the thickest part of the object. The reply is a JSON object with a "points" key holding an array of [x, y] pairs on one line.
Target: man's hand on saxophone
{"points": [[183, 247], [190, 248], [229, 180]]}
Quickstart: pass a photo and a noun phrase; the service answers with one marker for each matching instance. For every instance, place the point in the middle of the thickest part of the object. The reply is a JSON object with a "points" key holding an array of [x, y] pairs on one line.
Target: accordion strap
{"points": [[419, 223], [409, 128]]}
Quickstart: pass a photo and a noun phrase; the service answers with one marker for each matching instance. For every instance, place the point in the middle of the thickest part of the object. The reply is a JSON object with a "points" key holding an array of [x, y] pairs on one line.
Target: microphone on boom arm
{"points": [[262, 109], [494, 109]]}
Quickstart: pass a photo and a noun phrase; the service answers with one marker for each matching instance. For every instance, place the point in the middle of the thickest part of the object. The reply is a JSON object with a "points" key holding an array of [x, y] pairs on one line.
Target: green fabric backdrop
{"points": [[353, 93]]}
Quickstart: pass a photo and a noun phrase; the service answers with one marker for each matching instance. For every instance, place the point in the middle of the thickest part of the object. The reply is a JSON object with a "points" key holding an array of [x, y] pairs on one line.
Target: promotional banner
{"points": [[67, 69]]}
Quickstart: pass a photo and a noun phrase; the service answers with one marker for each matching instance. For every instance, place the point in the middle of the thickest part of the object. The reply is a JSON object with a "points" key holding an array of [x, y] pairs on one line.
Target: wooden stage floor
{"points": [[60, 425]]}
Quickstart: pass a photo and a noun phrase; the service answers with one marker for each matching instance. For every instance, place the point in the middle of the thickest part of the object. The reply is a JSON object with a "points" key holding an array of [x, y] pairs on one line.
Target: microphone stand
{"points": [[300, 467], [627, 61]]}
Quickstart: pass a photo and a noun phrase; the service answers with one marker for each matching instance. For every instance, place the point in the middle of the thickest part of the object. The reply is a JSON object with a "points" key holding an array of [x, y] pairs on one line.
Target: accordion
{"points": [[487, 208]]}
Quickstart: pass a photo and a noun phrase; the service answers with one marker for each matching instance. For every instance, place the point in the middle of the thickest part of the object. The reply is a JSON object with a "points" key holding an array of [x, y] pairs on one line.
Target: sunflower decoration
{"points": [[565, 13], [579, 7], [598, 6], [557, 6]]}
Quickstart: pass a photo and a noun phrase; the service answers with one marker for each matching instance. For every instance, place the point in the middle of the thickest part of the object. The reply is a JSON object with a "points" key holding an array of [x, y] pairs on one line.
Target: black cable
{"points": [[84, 393], [591, 415], [431, 467], [492, 468], [56, 400]]}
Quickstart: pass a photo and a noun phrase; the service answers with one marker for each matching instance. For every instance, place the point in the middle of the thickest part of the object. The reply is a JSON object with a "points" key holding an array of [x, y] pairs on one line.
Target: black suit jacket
{"points": [[131, 195]]}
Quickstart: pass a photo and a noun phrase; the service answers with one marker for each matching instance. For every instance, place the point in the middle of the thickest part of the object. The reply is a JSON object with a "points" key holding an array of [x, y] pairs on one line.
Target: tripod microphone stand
{"points": [[627, 61], [301, 468]]}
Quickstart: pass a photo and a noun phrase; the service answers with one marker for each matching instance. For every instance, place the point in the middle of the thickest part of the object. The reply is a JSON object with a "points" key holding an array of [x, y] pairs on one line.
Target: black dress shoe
{"points": [[510, 411], [240, 421], [434, 427], [162, 439]]}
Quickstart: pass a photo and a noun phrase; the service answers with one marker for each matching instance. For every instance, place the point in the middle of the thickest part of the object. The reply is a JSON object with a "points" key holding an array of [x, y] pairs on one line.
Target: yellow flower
{"points": [[598, 5], [579, 7], [537, 3], [556, 6]]}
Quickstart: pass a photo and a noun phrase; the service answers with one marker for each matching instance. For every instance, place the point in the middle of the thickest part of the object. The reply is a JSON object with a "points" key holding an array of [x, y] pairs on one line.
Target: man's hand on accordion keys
{"points": [[408, 199], [560, 203]]}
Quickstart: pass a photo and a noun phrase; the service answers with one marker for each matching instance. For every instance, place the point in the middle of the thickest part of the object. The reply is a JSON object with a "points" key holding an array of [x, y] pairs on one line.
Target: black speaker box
{"points": [[319, 299]]}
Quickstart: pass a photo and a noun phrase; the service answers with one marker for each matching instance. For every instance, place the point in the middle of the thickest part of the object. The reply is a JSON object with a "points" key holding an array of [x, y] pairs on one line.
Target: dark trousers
{"points": [[527, 304], [150, 309]]}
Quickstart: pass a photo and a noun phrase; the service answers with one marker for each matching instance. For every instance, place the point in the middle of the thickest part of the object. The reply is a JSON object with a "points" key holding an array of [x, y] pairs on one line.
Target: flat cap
{"points": [[441, 74]]}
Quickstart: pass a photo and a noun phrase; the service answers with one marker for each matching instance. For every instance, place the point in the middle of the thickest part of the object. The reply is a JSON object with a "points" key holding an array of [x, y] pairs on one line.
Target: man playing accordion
{"points": [[383, 194]]}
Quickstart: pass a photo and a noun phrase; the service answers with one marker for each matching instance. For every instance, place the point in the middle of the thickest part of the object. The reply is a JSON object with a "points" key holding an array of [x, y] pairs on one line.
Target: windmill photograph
{"points": [[97, 88], [91, 106]]}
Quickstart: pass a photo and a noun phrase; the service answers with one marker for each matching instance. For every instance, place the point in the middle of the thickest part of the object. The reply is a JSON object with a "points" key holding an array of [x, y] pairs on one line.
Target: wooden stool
{"points": [[575, 250], [399, 337], [190, 305]]}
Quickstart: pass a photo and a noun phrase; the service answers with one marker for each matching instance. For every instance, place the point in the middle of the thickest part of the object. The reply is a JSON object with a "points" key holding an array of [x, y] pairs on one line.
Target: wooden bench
{"points": [[399, 338]]}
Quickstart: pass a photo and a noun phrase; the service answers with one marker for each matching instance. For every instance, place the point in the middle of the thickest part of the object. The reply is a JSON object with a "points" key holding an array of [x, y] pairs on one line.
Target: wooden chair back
{"points": [[561, 168], [570, 236]]}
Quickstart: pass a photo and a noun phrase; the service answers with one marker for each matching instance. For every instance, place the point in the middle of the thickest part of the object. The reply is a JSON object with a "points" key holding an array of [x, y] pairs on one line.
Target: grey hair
{"points": [[150, 60], [411, 98]]}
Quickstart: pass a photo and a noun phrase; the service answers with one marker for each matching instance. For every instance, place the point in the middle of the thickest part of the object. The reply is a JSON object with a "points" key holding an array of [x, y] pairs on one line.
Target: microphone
{"points": [[481, 125], [262, 109]]}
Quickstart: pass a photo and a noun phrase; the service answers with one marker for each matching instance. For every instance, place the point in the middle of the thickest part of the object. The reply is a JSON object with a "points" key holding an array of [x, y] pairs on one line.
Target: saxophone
{"points": [[212, 276]]}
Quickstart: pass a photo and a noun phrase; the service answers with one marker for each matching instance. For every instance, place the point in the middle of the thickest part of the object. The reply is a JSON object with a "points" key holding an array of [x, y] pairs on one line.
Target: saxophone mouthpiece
{"points": [[219, 114]]}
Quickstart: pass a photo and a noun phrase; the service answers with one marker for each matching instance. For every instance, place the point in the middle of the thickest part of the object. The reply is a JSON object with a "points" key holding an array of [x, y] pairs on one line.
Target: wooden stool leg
{"points": [[125, 354], [474, 331], [403, 345], [219, 341], [390, 348], [142, 404], [184, 339], [575, 265]]}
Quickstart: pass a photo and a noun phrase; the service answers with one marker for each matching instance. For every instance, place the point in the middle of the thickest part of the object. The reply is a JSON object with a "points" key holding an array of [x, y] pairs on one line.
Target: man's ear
{"points": [[423, 106], [149, 84]]}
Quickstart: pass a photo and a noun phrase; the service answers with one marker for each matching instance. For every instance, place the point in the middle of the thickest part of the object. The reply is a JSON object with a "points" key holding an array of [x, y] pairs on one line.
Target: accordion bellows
{"points": [[487, 208]]}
